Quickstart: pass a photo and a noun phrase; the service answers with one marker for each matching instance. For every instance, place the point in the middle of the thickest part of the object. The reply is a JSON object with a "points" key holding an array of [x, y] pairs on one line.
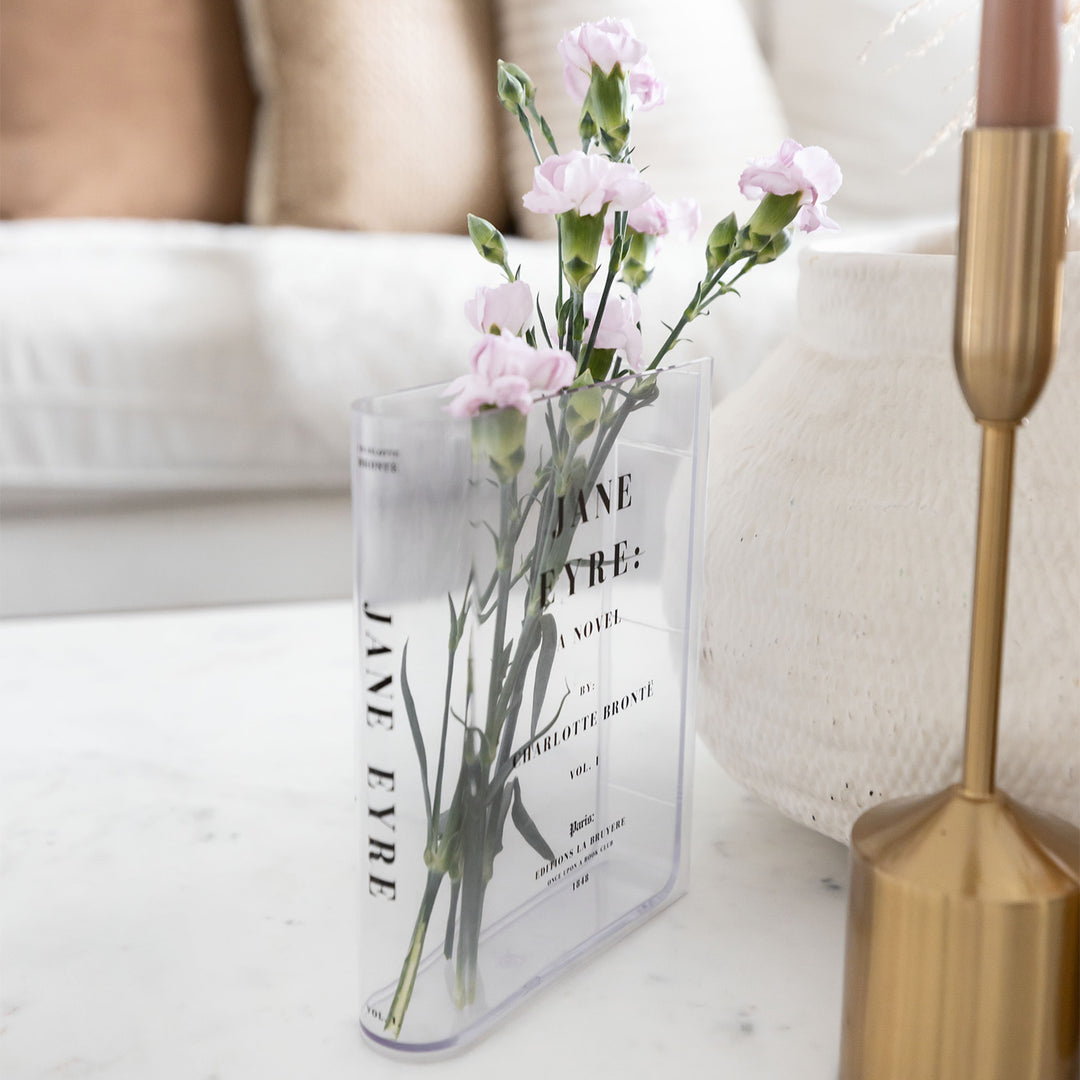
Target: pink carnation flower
{"points": [[619, 328], [605, 44], [586, 183], [507, 309], [507, 372], [808, 170], [679, 219]]}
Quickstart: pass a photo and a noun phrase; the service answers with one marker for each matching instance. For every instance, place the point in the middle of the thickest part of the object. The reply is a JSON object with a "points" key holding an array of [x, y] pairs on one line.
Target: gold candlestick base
{"points": [[962, 958], [964, 915]]}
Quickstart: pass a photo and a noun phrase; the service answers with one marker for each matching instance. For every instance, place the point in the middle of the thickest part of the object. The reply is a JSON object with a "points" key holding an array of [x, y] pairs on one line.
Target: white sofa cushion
{"points": [[151, 356]]}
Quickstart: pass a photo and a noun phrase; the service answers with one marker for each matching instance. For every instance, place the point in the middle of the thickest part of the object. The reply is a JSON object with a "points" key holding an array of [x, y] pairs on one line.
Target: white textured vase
{"points": [[840, 553]]}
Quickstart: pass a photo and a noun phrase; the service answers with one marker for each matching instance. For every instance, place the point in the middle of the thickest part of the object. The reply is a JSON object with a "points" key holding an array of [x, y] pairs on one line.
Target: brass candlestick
{"points": [[964, 914]]}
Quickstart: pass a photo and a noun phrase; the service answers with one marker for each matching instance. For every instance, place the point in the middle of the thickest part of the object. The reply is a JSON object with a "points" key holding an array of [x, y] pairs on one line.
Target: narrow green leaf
{"points": [[414, 727], [543, 322], [549, 640], [545, 130], [454, 638], [549, 416], [485, 596], [527, 827], [495, 832]]}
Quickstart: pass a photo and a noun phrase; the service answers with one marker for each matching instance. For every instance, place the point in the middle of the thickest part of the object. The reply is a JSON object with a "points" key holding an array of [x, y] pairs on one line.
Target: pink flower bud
{"points": [[506, 309]]}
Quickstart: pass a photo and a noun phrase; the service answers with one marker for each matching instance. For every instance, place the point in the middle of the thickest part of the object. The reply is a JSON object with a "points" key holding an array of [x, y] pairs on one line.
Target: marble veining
{"points": [[177, 878]]}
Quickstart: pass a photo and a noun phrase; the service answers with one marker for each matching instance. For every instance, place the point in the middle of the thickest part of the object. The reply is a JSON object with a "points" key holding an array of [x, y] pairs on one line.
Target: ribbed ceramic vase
{"points": [[838, 554]]}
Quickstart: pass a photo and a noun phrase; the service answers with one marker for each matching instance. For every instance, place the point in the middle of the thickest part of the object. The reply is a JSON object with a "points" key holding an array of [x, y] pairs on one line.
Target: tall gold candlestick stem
{"points": [[988, 609], [1011, 258]]}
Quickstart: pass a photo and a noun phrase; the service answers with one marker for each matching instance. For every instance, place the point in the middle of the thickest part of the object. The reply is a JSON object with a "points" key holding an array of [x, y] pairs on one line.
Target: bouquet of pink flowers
{"points": [[610, 225], [600, 199]]}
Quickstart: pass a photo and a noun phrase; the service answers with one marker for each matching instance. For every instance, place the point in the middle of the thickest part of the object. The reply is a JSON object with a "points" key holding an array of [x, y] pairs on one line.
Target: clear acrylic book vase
{"points": [[528, 599]]}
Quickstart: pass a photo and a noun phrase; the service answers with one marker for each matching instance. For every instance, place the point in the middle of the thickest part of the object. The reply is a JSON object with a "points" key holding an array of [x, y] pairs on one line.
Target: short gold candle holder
{"points": [[963, 935]]}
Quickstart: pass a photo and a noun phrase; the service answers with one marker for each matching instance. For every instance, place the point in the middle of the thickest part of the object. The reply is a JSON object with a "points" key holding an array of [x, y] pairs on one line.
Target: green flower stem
{"points": [[690, 312], [532, 596], [523, 120], [407, 981], [605, 442], [577, 297], [448, 944], [528, 643], [527, 128], [673, 337], [505, 559], [514, 684], [703, 296], [545, 128], [559, 301], [433, 825], [614, 262], [529, 639], [472, 880]]}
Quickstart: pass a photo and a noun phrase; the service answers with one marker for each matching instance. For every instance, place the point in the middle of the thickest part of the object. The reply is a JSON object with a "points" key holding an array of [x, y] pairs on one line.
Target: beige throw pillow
{"points": [[721, 106], [373, 114], [122, 108]]}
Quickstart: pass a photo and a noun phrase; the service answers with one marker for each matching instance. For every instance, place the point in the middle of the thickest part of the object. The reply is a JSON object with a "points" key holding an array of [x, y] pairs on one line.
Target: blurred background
{"points": [[223, 221]]}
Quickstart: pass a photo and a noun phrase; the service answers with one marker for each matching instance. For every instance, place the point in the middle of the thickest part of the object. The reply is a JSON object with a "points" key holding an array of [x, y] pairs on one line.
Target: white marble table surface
{"points": [[177, 882]]}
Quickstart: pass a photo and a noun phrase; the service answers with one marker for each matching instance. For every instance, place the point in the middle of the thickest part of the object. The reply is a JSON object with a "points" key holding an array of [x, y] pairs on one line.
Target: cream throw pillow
{"points": [[373, 115], [721, 107]]}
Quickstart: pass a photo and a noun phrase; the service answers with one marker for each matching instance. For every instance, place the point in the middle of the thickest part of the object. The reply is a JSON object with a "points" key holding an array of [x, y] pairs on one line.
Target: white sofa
{"points": [[174, 411], [173, 395]]}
